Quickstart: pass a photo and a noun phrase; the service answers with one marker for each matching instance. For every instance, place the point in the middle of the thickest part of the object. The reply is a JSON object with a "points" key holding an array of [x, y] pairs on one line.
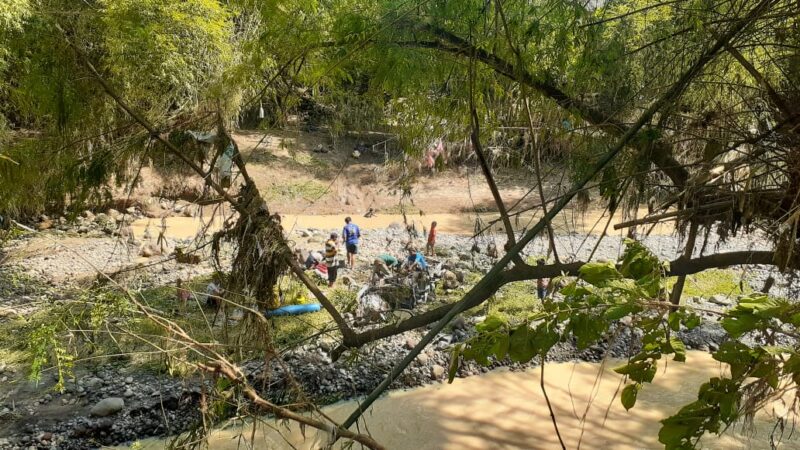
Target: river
{"points": [[506, 410], [591, 222]]}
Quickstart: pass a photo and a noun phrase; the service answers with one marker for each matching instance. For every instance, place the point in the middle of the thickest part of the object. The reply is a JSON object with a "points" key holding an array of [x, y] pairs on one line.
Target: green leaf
{"points": [[500, 347], [629, 394], [639, 371], [674, 321], [491, 323], [451, 373], [598, 274], [587, 329], [738, 356], [519, 346], [574, 290], [619, 311], [544, 337], [792, 366], [679, 349], [692, 321], [736, 326]]}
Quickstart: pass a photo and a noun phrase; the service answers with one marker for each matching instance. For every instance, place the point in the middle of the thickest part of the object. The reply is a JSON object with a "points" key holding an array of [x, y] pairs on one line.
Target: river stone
{"points": [[107, 407], [93, 383], [411, 343], [459, 323], [721, 300], [437, 372], [149, 250]]}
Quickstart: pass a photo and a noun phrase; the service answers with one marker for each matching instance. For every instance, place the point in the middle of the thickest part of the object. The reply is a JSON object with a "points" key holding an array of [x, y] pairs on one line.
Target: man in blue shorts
{"points": [[350, 236]]}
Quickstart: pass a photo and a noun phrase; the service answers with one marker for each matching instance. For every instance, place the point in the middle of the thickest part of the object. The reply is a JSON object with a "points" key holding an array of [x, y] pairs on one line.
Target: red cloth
{"points": [[432, 236]]}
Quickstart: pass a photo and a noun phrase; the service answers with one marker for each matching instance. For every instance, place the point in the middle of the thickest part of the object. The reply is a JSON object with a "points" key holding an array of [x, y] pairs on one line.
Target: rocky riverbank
{"points": [[114, 403]]}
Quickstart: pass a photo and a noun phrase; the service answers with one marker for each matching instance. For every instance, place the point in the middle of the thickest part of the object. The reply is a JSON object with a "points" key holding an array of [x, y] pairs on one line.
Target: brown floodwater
{"points": [[506, 410], [463, 224]]}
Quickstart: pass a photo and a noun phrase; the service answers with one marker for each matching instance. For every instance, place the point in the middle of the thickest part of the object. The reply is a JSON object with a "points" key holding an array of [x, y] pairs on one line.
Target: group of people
{"points": [[351, 236], [385, 264], [327, 261]]}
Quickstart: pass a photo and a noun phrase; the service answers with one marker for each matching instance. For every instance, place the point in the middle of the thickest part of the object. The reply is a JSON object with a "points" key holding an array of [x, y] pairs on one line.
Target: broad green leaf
{"points": [[519, 346], [491, 323], [639, 371], [692, 321], [544, 337], [500, 347], [628, 395], [674, 321], [738, 356], [736, 326], [599, 274], [587, 329], [619, 311]]}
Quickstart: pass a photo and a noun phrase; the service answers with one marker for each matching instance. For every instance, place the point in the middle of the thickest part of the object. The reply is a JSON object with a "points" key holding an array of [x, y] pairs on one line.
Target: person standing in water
{"points": [[350, 236], [430, 248]]}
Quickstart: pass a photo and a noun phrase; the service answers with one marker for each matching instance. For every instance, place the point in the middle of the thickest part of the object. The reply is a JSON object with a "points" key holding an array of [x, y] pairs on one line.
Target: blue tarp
{"points": [[293, 310]]}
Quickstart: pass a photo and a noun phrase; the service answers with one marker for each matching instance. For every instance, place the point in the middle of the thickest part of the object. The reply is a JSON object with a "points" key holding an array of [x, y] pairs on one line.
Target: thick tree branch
{"points": [[678, 267]]}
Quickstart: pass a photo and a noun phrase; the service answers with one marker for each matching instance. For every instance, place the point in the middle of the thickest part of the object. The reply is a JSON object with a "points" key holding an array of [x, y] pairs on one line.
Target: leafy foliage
{"points": [[630, 294]]}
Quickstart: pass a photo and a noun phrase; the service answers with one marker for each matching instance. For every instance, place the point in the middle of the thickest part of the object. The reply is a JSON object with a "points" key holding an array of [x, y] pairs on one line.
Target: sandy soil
{"points": [[296, 180]]}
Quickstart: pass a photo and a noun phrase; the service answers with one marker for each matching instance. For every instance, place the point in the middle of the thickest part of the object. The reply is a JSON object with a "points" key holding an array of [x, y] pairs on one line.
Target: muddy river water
{"points": [[464, 224], [506, 410]]}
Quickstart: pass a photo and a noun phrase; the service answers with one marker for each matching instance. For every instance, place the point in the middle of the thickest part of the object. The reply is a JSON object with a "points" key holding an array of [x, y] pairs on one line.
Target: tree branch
{"points": [[776, 99], [678, 267], [347, 332], [334, 431], [487, 174], [495, 275], [660, 152]]}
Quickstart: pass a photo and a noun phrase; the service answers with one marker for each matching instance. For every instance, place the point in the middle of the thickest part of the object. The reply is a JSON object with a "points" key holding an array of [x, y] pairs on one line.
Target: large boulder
{"points": [[108, 406]]}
